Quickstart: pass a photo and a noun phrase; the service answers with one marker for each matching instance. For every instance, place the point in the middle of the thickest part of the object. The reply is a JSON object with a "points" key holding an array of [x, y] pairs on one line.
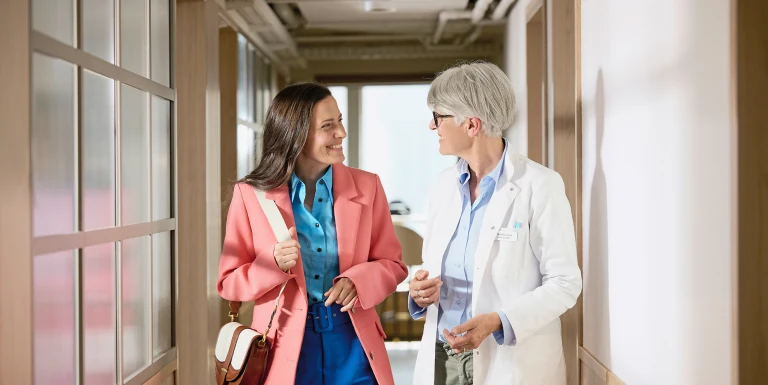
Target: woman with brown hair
{"points": [[343, 258]]}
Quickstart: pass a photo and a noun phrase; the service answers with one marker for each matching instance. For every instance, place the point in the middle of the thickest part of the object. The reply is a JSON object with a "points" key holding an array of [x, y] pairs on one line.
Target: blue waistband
{"points": [[323, 318]]}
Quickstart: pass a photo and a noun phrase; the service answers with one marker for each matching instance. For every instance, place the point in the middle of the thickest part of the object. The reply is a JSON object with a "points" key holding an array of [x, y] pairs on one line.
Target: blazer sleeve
{"points": [[553, 241], [245, 275], [378, 278]]}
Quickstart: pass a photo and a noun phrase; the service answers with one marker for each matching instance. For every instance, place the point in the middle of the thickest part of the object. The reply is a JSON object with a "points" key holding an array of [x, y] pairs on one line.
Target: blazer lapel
{"points": [[347, 214], [283, 201]]}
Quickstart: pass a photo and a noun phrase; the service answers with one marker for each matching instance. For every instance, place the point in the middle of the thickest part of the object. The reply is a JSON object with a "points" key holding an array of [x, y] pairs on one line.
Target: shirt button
{"points": [[319, 199], [317, 225], [314, 299], [322, 181], [317, 276], [319, 249]]}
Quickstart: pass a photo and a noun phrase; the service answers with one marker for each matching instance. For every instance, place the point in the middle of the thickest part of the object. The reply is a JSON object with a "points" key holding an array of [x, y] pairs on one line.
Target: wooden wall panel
{"points": [[536, 69], [752, 228], [16, 366], [198, 187], [566, 144], [593, 372]]}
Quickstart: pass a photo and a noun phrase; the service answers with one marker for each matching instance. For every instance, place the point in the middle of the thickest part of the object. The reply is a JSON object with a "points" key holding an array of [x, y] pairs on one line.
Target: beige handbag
{"points": [[242, 354]]}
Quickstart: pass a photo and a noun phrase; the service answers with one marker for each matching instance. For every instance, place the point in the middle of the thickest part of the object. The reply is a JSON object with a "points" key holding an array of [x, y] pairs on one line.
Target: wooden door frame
{"points": [[536, 79], [198, 187], [564, 124], [562, 118], [749, 93], [16, 366]]}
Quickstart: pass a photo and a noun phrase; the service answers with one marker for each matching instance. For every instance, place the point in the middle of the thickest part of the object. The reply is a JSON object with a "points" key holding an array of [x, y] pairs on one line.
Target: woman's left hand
{"points": [[343, 293]]}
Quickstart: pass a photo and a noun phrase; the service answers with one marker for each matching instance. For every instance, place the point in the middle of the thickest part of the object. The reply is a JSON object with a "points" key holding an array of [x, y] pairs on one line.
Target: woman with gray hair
{"points": [[499, 247]]}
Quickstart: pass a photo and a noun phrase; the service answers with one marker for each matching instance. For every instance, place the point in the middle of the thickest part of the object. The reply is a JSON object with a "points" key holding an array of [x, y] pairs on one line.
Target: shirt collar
{"points": [[495, 175], [299, 191]]}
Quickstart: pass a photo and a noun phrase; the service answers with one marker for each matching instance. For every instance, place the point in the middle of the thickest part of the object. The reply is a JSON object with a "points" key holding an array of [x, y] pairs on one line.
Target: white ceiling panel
{"points": [[325, 11]]}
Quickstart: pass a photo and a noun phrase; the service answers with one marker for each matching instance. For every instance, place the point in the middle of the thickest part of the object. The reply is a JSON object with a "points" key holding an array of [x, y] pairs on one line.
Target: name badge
{"points": [[508, 234]]}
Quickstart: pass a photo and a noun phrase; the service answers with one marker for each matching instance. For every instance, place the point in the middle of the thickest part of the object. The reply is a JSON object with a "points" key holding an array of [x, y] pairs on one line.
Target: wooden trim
{"points": [[354, 122], [16, 365], [566, 143], [599, 374], [63, 242], [54, 48], [160, 378], [228, 71], [734, 191], [157, 370], [533, 7], [228, 79], [579, 140], [752, 225], [536, 80], [198, 240], [593, 364]]}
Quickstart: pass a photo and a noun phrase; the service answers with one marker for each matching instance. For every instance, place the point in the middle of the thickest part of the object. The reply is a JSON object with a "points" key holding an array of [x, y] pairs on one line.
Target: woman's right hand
{"points": [[286, 253], [424, 291]]}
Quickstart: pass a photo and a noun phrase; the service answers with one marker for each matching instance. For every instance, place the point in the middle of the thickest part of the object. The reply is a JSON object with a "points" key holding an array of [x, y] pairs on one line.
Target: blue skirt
{"points": [[331, 353]]}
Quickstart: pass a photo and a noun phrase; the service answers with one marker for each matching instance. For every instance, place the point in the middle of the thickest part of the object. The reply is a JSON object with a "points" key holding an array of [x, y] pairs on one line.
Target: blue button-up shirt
{"points": [[455, 307], [317, 235]]}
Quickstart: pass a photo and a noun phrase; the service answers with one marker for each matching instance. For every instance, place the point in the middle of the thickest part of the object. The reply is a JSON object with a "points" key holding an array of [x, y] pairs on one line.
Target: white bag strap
{"points": [[278, 226], [273, 216]]}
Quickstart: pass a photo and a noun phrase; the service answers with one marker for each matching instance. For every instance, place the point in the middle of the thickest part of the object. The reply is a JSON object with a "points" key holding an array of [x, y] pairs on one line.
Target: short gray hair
{"points": [[478, 89]]}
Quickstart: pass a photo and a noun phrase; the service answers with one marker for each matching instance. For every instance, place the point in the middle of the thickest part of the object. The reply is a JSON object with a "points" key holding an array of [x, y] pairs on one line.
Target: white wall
{"points": [[514, 66], [657, 176]]}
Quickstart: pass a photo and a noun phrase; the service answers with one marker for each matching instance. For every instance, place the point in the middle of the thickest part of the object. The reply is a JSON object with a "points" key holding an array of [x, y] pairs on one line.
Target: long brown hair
{"points": [[285, 132]]}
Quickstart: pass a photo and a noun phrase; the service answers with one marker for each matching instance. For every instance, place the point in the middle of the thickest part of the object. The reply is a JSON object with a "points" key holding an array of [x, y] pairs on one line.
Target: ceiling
{"points": [[297, 31], [375, 16]]}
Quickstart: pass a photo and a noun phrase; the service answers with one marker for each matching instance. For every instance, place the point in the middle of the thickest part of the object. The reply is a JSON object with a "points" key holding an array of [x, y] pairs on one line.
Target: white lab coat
{"points": [[533, 279]]}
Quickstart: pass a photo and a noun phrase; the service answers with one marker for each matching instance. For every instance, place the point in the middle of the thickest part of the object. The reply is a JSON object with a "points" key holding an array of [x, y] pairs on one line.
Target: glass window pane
{"points": [[133, 36], [54, 318], [161, 158], [242, 78], [134, 156], [98, 148], [245, 146], [382, 146], [160, 34], [161, 297], [267, 89], [341, 94], [258, 96], [55, 18], [53, 146], [99, 315], [135, 304], [98, 28]]}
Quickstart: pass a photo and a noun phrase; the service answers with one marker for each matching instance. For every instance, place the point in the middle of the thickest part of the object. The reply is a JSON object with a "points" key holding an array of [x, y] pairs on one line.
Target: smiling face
{"points": [[454, 138], [326, 133]]}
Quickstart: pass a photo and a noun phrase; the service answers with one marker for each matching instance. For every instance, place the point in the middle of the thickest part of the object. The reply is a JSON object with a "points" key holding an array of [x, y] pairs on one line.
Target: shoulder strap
{"points": [[273, 216], [278, 226]]}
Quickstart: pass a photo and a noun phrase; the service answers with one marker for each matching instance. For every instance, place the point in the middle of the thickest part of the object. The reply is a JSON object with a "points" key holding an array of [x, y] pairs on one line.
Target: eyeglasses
{"points": [[437, 116]]}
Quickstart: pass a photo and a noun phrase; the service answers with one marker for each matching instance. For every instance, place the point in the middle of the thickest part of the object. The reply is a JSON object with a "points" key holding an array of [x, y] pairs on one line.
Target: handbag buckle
{"points": [[233, 316]]}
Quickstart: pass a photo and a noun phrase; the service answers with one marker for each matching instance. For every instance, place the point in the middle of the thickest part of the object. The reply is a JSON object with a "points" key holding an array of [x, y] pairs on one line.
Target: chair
{"points": [[411, 242], [393, 311]]}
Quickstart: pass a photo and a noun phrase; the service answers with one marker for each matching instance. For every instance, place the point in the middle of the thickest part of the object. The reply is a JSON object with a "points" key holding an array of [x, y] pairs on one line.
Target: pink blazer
{"points": [[369, 255]]}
